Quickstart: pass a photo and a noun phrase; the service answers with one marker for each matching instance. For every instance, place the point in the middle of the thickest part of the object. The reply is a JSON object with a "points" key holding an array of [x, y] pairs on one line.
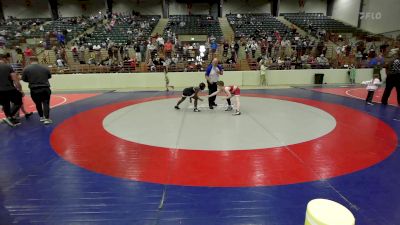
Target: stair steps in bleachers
{"points": [[160, 26], [244, 65], [302, 32], [331, 48], [226, 29], [51, 60], [88, 31]]}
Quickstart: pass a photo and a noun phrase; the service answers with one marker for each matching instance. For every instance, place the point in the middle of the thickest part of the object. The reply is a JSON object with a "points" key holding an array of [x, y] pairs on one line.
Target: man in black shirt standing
{"points": [[10, 91], [38, 78], [393, 79]]}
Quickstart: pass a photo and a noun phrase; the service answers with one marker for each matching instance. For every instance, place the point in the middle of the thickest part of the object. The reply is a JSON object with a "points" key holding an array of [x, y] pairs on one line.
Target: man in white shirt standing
{"points": [[213, 71]]}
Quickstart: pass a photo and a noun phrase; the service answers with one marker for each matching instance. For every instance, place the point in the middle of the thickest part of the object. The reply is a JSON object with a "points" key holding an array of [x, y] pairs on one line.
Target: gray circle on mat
{"points": [[264, 123]]}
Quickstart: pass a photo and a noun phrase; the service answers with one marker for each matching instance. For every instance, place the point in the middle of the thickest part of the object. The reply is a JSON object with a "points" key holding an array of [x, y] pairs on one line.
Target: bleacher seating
{"points": [[119, 32], [73, 25], [193, 25], [15, 31], [317, 21], [246, 25]]}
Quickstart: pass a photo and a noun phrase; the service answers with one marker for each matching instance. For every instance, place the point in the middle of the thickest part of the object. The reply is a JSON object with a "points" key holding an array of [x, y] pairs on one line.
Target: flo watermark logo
{"points": [[370, 15]]}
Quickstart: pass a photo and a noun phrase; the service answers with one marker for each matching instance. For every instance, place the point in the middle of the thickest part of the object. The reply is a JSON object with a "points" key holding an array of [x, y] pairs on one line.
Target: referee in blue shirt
{"points": [[213, 71]]}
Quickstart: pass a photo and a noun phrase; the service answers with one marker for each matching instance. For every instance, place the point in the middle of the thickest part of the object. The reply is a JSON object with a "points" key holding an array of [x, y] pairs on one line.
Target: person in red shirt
{"points": [[133, 64], [168, 49], [28, 54]]}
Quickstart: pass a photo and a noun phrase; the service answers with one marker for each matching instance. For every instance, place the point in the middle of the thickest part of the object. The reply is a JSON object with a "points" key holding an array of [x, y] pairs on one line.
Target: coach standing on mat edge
{"points": [[393, 79], [212, 76], [10, 91], [38, 78]]}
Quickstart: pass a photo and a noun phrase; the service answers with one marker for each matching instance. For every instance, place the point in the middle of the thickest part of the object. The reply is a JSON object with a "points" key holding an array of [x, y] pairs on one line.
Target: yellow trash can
{"points": [[327, 212]]}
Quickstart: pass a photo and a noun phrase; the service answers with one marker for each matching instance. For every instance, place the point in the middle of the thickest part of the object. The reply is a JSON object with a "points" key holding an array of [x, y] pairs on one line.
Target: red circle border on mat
{"points": [[357, 142]]}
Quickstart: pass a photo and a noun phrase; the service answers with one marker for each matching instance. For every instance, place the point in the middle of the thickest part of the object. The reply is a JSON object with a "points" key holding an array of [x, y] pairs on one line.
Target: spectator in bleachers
{"points": [[287, 46], [151, 49], [138, 54], [143, 49], [359, 57], [132, 64], [225, 50], [263, 47], [232, 48], [185, 52], [115, 50], [174, 60], [287, 63], [304, 61], [322, 61], [214, 47], [347, 49], [63, 55], [121, 51], [253, 48], [110, 51], [151, 66], [168, 49], [160, 42], [247, 50], [276, 48], [60, 63], [97, 53], [28, 53], [81, 54], [231, 60], [2, 42], [61, 39], [212, 38], [383, 47], [74, 50], [377, 60], [237, 47], [312, 61], [280, 62]]}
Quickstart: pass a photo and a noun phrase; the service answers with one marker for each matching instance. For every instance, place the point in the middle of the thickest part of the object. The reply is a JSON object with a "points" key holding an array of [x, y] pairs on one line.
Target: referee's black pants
{"points": [[392, 80], [212, 87]]}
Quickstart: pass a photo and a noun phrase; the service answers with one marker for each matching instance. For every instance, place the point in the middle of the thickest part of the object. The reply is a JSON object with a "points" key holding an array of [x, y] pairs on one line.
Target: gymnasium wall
{"points": [[311, 6], [176, 8], [156, 80], [72, 8], [26, 8], [384, 15], [390, 11], [249, 6], [346, 11], [69, 8], [145, 7]]}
